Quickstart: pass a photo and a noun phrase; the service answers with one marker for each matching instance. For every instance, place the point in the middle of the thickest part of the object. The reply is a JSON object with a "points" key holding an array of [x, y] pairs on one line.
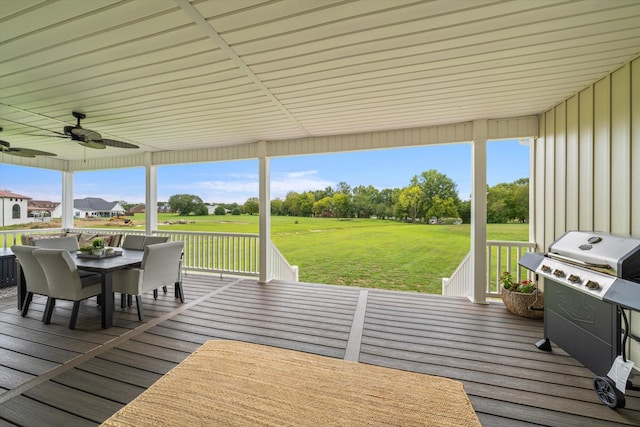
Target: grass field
{"points": [[361, 252], [358, 252]]}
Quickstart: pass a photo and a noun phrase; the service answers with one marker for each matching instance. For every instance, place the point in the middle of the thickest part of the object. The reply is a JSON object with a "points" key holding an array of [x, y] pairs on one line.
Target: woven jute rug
{"points": [[227, 383]]}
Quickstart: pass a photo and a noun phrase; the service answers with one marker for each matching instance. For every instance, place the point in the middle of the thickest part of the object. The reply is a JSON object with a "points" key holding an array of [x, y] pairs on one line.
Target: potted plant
{"points": [[524, 298], [98, 246], [86, 249]]}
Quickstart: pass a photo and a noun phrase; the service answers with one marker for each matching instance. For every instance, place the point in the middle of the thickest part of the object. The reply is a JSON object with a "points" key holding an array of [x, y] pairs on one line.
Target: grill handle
{"points": [[578, 262]]}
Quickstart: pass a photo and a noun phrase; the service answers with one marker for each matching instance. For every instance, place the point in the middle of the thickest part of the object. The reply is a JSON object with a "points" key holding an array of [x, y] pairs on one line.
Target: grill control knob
{"points": [[574, 279], [546, 268], [558, 273], [591, 285]]}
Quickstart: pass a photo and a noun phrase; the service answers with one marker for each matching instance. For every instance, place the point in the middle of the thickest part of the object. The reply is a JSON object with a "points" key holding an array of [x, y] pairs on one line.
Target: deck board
{"points": [[509, 381], [97, 385], [119, 372], [25, 363], [141, 362], [72, 400], [25, 411]]}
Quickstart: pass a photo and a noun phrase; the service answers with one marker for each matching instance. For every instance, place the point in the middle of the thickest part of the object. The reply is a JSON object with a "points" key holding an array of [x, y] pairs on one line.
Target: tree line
{"points": [[429, 196]]}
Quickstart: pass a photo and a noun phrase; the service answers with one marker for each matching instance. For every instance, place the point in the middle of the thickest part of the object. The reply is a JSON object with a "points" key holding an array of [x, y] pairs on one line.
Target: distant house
{"points": [[212, 209], [13, 208], [141, 208], [41, 208], [92, 207]]}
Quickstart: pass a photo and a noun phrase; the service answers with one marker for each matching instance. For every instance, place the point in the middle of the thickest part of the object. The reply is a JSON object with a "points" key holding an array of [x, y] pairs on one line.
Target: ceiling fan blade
{"points": [[118, 144], [40, 135], [19, 153], [5, 147], [91, 144], [28, 152]]}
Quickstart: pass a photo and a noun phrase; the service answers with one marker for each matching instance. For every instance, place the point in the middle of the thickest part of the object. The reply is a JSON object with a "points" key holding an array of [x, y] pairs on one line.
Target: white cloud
{"points": [[300, 174], [280, 188], [239, 187]]}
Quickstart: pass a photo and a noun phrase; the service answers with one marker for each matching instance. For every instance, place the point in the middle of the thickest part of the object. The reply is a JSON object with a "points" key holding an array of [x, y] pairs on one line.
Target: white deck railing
{"points": [[238, 254], [230, 253], [280, 267], [218, 252], [501, 256], [459, 284]]}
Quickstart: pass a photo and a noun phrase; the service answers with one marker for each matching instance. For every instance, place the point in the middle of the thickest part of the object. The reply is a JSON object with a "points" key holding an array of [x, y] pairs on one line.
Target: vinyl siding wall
{"points": [[586, 173]]}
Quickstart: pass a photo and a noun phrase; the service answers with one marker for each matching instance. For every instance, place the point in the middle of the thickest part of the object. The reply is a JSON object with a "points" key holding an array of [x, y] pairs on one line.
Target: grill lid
{"points": [[617, 255]]}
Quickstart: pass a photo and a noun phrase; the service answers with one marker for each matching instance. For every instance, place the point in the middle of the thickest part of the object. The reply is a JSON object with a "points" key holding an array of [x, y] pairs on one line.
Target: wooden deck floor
{"points": [[50, 375]]}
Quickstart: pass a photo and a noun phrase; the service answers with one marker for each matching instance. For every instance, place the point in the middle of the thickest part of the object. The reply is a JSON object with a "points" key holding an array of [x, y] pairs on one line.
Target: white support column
{"points": [[265, 213], [151, 198], [532, 189], [67, 199], [479, 212]]}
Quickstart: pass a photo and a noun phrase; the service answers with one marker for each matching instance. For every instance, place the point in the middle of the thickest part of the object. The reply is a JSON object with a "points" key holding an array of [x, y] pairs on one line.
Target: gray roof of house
{"points": [[93, 204]]}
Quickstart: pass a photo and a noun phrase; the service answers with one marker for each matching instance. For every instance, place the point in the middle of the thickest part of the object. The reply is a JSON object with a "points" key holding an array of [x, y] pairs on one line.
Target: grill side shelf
{"points": [[624, 293], [531, 260]]}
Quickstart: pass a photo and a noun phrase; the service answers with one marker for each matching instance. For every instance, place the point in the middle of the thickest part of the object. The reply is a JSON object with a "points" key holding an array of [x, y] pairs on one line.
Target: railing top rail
{"points": [[276, 250], [112, 229], [31, 230], [511, 243], [124, 230], [193, 233], [207, 232]]}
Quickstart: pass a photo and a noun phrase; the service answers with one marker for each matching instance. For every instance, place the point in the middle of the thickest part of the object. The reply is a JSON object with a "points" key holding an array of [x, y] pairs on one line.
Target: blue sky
{"points": [[228, 182]]}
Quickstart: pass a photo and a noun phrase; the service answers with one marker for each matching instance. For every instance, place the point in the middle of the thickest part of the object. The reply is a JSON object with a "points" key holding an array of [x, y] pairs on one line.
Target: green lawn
{"points": [[360, 252]]}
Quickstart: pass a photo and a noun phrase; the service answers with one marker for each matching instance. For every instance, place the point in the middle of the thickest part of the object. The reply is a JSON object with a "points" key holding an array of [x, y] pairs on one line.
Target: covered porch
{"points": [[213, 81], [52, 375], [210, 81]]}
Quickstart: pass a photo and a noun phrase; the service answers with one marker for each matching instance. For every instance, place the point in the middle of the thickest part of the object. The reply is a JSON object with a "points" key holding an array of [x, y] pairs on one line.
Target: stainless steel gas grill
{"points": [[590, 278]]}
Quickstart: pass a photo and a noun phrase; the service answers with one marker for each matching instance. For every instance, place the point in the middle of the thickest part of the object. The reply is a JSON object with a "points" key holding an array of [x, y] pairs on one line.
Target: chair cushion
{"points": [[108, 239], [85, 239], [90, 279], [27, 240]]}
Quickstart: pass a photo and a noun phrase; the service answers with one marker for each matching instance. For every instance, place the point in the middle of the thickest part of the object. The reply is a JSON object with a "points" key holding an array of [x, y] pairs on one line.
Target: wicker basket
{"points": [[519, 303]]}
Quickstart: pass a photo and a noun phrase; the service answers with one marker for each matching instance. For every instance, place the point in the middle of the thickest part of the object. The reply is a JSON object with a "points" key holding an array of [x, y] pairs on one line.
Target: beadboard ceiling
{"points": [[185, 75]]}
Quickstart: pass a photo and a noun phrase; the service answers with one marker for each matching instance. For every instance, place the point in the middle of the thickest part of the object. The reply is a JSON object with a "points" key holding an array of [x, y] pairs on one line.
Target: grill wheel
{"points": [[606, 390]]}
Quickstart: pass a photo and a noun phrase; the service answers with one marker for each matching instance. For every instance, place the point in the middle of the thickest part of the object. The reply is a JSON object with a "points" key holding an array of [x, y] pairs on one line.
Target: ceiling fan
{"points": [[5, 147], [89, 138]]}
